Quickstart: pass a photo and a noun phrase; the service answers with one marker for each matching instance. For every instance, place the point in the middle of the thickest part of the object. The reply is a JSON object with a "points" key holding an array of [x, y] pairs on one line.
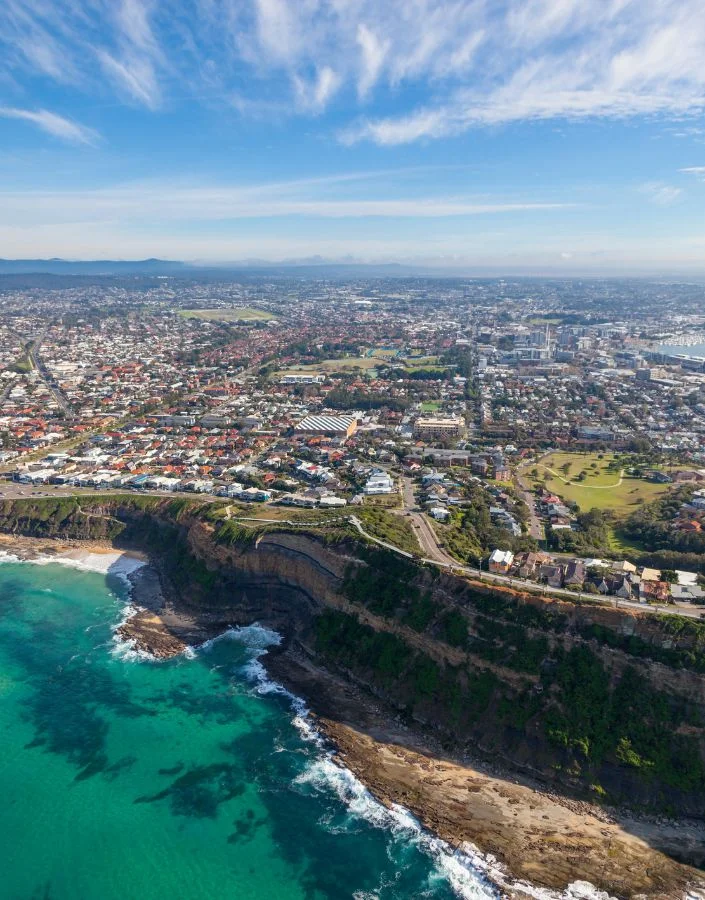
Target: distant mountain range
{"points": [[92, 267], [311, 267], [156, 267]]}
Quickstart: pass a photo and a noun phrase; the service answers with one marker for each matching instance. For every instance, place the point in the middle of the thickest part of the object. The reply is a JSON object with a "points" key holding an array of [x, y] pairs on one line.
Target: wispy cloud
{"points": [[309, 198], [560, 59], [373, 53], [53, 124], [444, 66], [133, 76], [661, 194], [697, 171]]}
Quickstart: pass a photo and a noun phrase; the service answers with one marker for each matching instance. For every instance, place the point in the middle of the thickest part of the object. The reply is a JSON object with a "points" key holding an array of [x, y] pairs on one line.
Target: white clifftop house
{"points": [[379, 482], [501, 561]]}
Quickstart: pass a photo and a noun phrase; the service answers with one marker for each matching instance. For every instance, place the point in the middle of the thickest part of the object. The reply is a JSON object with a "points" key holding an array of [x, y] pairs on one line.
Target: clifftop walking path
{"points": [[437, 557]]}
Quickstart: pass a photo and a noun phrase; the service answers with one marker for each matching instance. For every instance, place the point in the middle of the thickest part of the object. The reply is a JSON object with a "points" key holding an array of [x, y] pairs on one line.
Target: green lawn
{"points": [[424, 368], [388, 526], [234, 314], [621, 544], [421, 362], [601, 488], [382, 353], [330, 366]]}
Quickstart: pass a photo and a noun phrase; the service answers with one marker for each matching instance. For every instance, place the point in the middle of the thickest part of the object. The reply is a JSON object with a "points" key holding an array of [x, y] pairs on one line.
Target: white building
{"points": [[379, 482]]}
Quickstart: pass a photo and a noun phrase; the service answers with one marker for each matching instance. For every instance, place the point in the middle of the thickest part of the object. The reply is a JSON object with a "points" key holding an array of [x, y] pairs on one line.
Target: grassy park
{"points": [[331, 366], [595, 481], [233, 314]]}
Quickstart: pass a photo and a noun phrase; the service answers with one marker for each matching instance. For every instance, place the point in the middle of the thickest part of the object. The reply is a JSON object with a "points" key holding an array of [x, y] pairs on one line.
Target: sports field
{"points": [[603, 487], [235, 314]]}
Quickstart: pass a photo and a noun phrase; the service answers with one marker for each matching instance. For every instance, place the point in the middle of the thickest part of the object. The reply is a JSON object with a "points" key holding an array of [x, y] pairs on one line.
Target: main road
{"points": [[434, 553], [39, 366], [423, 530]]}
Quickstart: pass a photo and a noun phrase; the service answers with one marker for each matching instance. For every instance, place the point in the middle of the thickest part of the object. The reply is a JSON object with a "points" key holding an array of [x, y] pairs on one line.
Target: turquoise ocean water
{"points": [[126, 778]]}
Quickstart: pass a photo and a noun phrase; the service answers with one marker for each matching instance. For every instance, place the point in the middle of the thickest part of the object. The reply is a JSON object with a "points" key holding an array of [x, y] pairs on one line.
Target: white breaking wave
{"points": [[258, 640], [324, 773], [110, 563], [6, 557], [459, 868], [126, 648], [471, 874]]}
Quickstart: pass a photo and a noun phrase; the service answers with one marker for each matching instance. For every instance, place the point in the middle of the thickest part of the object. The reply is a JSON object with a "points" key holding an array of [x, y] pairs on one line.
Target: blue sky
{"points": [[550, 134]]}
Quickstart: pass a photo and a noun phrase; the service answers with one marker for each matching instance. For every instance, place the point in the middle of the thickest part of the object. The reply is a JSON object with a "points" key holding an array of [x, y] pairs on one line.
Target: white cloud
{"points": [[311, 198], [697, 171], [560, 59], [314, 95], [661, 194], [134, 76], [373, 52], [276, 29], [53, 124], [446, 65]]}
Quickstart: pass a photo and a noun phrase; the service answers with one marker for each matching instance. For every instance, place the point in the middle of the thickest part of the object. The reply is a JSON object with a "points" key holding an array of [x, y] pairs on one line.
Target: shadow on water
{"points": [[70, 709], [246, 827], [69, 701], [297, 817], [201, 790]]}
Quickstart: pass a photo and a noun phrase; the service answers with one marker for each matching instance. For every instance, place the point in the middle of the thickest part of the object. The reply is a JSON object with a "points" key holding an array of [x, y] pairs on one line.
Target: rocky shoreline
{"points": [[536, 836]]}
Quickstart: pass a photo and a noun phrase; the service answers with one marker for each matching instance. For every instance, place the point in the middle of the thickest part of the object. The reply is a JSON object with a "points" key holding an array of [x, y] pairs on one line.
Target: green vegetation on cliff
{"points": [[590, 718], [627, 722], [415, 681], [579, 709], [569, 689]]}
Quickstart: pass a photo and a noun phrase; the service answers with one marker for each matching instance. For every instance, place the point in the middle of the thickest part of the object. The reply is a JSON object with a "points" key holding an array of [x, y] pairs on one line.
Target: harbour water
{"points": [[696, 350]]}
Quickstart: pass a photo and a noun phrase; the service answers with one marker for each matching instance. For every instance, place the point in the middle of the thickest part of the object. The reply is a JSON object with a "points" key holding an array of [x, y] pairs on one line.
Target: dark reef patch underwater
{"points": [[193, 778]]}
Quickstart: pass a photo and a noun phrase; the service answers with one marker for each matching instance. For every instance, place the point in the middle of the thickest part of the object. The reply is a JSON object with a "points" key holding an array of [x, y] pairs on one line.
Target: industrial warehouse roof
{"points": [[326, 423]]}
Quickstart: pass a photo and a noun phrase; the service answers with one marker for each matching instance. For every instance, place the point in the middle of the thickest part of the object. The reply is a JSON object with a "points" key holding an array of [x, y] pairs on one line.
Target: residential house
{"points": [[654, 592], [552, 574], [575, 574], [501, 561]]}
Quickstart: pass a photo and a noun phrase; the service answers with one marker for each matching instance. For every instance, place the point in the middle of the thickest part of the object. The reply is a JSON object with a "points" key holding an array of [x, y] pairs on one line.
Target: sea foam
{"points": [[109, 563], [471, 874]]}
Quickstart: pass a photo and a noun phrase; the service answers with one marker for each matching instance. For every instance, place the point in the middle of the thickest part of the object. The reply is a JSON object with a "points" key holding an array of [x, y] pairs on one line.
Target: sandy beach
{"points": [[90, 555]]}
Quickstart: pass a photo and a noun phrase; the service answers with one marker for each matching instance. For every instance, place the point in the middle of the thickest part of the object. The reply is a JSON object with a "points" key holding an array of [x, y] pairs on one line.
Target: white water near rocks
{"points": [[472, 875]]}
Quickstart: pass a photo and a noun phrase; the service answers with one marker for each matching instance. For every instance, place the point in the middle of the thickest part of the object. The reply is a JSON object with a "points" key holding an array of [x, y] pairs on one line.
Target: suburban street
{"points": [[38, 365], [434, 553]]}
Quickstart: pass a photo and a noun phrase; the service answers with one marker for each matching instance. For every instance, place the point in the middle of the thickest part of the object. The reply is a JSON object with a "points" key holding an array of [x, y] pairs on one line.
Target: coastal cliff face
{"points": [[603, 702]]}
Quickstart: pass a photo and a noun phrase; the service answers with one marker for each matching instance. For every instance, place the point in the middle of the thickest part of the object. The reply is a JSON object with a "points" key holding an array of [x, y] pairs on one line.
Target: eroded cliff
{"points": [[603, 702]]}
